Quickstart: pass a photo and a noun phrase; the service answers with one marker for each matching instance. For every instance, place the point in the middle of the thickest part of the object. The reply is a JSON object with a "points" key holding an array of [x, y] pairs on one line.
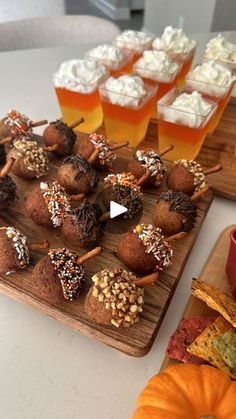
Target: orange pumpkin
{"points": [[188, 392]]}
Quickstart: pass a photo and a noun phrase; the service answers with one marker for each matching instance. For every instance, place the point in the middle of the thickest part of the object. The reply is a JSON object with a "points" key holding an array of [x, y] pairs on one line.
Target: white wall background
{"points": [[19, 9]]}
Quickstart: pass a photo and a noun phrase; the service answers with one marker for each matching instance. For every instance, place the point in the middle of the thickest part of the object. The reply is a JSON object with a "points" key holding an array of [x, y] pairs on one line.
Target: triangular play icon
{"points": [[116, 209]]}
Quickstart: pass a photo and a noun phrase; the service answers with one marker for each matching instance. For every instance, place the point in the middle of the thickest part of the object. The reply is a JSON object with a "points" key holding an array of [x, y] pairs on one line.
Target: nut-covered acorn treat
{"points": [[114, 298], [123, 188], [47, 205], [14, 251], [144, 249], [86, 145], [76, 175], [17, 125], [60, 138], [30, 160], [148, 160], [61, 275], [7, 191], [186, 176], [174, 212], [81, 227]]}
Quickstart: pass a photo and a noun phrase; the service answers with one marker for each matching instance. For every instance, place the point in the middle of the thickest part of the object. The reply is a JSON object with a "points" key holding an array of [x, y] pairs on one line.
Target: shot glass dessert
{"points": [[76, 84], [115, 59], [127, 103], [158, 68], [220, 49], [182, 49], [183, 120], [134, 41], [215, 81]]}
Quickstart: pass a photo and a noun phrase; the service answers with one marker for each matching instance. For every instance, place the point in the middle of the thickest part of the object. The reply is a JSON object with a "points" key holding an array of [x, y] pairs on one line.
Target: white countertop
{"points": [[47, 370]]}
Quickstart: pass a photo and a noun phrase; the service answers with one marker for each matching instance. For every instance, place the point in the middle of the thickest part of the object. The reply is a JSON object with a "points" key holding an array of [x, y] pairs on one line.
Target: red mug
{"points": [[231, 262]]}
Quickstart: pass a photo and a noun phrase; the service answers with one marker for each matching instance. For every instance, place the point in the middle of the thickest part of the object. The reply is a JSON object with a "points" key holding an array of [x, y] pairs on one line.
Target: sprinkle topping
{"points": [[126, 192], [155, 243], [86, 224], [181, 203], [35, 159], [117, 291], [106, 157], [69, 272], [67, 135], [151, 161], [199, 179], [83, 167], [7, 189], [19, 243], [19, 124], [57, 202]]}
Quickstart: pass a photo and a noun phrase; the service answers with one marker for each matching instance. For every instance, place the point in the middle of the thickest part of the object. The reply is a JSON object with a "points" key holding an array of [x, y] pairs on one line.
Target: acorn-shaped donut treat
{"points": [[30, 160], [16, 125], [60, 138], [144, 249], [114, 298], [124, 189], [82, 227], [76, 175], [86, 145], [47, 205], [61, 275], [188, 176], [174, 212], [14, 251], [7, 190]]}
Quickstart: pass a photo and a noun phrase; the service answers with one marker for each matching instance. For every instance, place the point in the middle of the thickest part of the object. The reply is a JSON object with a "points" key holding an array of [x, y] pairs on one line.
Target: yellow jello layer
{"points": [[118, 131], [92, 119]]}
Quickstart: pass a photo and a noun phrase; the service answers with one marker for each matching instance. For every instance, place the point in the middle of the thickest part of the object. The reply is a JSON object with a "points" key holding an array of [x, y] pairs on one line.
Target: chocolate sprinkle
{"points": [[7, 190], [69, 272], [83, 167], [68, 137], [2, 155], [181, 203], [85, 219]]}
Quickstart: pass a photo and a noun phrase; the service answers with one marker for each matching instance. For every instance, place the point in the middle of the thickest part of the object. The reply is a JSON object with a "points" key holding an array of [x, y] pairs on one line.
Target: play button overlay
{"points": [[116, 209]]}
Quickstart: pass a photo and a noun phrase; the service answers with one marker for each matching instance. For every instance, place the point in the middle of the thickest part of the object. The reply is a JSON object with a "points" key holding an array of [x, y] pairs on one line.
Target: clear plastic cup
{"points": [[127, 122], [163, 81], [136, 48], [74, 104], [173, 127], [213, 92]]}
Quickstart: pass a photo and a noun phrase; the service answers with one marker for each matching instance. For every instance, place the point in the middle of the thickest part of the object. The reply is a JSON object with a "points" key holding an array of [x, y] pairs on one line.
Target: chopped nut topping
{"points": [[199, 179]]}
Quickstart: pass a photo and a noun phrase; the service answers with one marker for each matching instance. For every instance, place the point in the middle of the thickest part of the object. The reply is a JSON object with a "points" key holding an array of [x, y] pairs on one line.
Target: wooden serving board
{"points": [[213, 273], [220, 147], [136, 340]]}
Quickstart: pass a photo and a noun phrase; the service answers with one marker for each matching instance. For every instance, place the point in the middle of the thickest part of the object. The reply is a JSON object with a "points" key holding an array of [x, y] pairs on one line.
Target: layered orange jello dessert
{"points": [[176, 43], [215, 81], [127, 103], [135, 41], [220, 49], [114, 58], [76, 84], [160, 70], [183, 120]]}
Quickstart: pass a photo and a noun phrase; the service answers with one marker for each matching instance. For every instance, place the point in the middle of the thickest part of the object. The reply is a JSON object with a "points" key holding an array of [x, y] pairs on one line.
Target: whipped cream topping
{"points": [[107, 53], [82, 75], [188, 109], [174, 40], [214, 77], [134, 40], [156, 65], [126, 90], [220, 49]]}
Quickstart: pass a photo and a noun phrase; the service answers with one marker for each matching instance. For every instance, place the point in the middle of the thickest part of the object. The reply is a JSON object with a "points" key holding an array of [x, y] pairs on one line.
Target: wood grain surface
{"points": [[213, 273], [136, 340], [220, 147]]}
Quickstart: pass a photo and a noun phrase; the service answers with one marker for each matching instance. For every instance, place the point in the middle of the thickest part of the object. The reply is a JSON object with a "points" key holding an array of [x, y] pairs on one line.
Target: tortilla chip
{"points": [[226, 346], [215, 299], [184, 335], [203, 345]]}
